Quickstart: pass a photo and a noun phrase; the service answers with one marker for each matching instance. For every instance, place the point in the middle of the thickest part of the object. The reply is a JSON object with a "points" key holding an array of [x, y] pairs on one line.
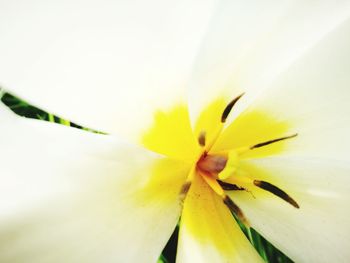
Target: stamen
{"points": [[214, 185], [235, 209], [184, 190], [276, 191], [187, 185], [201, 138], [230, 187], [229, 107], [233, 187], [262, 144]]}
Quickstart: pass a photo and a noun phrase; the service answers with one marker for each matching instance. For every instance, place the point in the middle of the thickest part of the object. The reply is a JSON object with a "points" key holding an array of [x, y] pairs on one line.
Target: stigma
{"points": [[211, 164]]}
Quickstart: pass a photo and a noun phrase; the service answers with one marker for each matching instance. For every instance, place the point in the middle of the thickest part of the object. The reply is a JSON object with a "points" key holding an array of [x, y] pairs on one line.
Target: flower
{"points": [[277, 156]]}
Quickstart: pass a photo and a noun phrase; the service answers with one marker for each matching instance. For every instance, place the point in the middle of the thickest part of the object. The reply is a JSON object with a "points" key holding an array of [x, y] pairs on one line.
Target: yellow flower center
{"points": [[216, 152]]}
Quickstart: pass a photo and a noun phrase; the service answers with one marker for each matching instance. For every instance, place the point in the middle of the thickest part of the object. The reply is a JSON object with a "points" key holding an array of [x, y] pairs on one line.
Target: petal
{"points": [[319, 230], [310, 98], [255, 126], [208, 231], [171, 135], [73, 196], [105, 66], [249, 43]]}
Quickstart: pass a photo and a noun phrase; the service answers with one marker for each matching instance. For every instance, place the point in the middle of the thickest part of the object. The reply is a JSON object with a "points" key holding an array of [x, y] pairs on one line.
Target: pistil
{"points": [[212, 164]]}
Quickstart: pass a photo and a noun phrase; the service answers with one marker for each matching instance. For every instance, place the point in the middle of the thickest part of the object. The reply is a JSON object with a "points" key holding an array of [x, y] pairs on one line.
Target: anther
{"points": [[262, 144], [230, 187], [201, 138], [233, 187], [235, 209], [184, 190], [276, 191], [229, 107]]}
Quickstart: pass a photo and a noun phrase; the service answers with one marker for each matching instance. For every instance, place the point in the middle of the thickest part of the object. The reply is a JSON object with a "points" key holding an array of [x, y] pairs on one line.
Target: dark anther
{"points": [[229, 107], [184, 189], [235, 210], [276, 191], [201, 138], [262, 144], [229, 187]]}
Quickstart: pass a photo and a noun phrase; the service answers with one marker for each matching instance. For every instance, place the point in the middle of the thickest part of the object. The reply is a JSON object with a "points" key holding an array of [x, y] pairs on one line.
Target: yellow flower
{"points": [[211, 108]]}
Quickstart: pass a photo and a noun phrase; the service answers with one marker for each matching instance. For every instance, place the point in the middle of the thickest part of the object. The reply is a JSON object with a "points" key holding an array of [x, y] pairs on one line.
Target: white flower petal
{"points": [[208, 231], [312, 98], [250, 43], [316, 232], [105, 65], [72, 196]]}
